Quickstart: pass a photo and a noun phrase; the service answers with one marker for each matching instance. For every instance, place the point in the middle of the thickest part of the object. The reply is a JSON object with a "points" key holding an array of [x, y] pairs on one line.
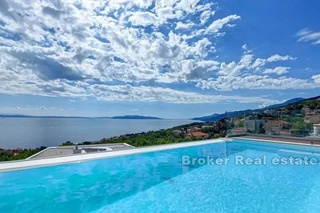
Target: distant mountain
{"points": [[216, 117], [314, 98], [135, 117], [288, 102]]}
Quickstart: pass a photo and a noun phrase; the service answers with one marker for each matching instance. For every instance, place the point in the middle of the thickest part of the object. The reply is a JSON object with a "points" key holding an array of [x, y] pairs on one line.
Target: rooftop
{"points": [[197, 134], [62, 151]]}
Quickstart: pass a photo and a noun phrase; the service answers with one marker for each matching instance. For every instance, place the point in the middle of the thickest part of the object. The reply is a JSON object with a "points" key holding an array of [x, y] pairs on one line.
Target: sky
{"points": [[165, 58]]}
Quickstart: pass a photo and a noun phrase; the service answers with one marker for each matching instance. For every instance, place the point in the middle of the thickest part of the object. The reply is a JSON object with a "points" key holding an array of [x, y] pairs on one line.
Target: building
{"points": [[239, 130], [254, 125], [64, 151], [284, 124], [276, 127], [207, 127], [316, 129], [271, 112], [296, 112], [266, 118], [196, 129], [197, 135], [272, 128], [312, 119], [306, 110]]}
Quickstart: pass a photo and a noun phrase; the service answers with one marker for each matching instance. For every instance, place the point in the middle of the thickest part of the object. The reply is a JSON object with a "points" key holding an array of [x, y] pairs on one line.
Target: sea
{"points": [[36, 132]]}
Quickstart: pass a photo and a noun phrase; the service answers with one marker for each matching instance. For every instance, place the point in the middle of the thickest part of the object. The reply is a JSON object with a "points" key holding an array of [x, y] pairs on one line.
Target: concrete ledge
{"points": [[279, 140], [310, 140], [19, 165]]}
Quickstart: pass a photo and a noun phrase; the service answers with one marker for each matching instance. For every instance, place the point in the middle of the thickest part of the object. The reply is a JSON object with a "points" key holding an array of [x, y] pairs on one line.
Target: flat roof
{"points": [[61, 151]]}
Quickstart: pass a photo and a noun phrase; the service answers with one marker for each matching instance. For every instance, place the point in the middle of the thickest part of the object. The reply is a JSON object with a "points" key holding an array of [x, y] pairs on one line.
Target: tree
{"points": [[216, 136], [68, 143]]}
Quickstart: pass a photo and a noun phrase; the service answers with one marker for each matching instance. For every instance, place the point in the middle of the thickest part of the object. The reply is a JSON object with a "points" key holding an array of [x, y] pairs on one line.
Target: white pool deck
{"points": [[25, 164]]}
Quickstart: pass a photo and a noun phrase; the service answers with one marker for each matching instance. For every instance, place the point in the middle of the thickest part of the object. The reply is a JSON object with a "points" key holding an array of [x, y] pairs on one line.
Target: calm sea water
{"points": [[36, 132]]}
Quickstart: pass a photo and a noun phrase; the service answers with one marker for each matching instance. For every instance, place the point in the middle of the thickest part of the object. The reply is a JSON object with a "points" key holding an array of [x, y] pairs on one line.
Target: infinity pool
{"points": [[162, 182]]}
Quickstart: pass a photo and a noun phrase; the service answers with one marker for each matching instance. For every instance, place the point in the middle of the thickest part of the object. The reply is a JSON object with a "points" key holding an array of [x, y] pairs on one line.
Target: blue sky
{"points": [[166, 58]]}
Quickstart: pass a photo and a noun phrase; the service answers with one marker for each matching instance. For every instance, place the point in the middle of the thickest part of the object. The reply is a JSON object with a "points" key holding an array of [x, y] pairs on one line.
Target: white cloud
{"points": [[181, 25], [143, 19], [316, 78], [187, 5], [245, 49], [259, 62], [278, 57], [217, 25], [98, 47], [120, 42], [277, 70], [258, 82], [153, 94], [144, 3], [247, 74], [202, 46], [205, 15], [306, 35]]}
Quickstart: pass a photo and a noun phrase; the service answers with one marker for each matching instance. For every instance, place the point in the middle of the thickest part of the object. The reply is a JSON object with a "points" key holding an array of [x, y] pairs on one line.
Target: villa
{"points": [[313, 119], [307, 110], [275, 127], [197, 135]]}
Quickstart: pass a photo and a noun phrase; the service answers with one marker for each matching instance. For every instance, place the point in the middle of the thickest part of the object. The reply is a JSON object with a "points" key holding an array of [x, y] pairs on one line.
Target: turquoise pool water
{"points": [[158, 182]]}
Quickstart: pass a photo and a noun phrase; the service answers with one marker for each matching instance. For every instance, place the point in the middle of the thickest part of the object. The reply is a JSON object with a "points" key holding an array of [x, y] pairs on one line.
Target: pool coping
{"points": [[35, 163], [277, 141], [27, 164]]}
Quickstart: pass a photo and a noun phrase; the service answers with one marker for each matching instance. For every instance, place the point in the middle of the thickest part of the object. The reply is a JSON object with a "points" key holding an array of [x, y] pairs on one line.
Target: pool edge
{"points": [[28, 164], [277, 141]]}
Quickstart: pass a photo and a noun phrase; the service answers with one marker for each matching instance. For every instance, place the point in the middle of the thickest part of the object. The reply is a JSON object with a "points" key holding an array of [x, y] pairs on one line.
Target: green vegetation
{"points": [[293, 118], [18, 154], [240, 124], [148, 139], [313, 104], [68, 143], [302, 126], [166, 136]]}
